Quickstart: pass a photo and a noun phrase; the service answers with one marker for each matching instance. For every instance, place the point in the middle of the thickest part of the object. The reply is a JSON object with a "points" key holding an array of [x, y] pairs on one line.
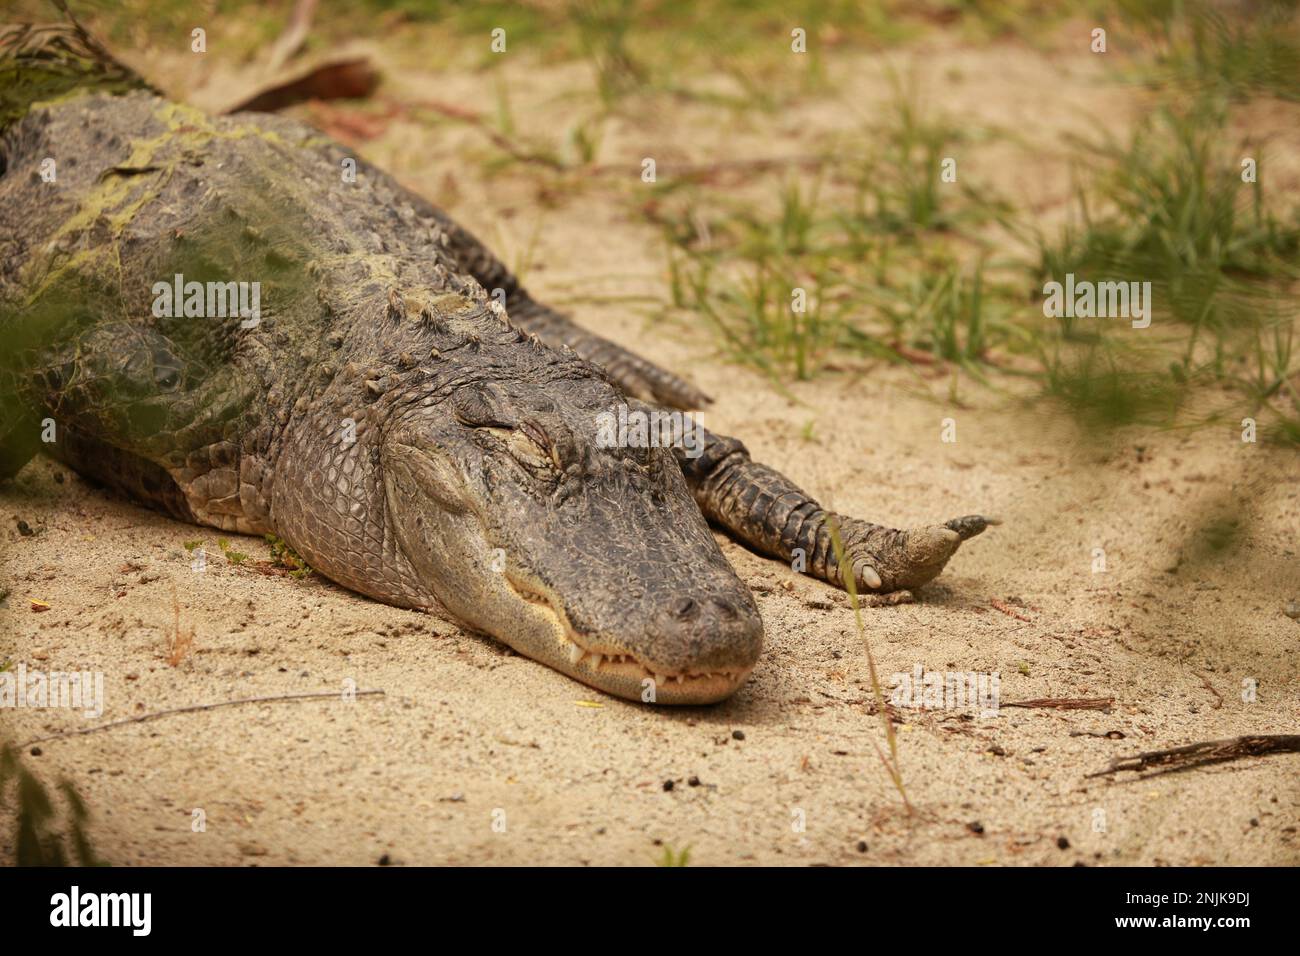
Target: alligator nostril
{"points": [[686, 607], [728, 610]]}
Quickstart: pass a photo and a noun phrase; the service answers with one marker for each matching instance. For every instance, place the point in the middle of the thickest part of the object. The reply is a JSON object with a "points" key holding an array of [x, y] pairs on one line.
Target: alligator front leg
{"points": [[767, 511]]}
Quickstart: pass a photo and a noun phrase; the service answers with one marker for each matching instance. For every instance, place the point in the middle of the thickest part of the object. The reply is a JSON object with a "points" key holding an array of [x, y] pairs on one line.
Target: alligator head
{"points": [[593, 560]]}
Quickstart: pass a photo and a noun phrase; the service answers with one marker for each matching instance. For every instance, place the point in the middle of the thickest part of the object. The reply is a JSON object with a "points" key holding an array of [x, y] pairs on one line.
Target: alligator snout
{"points": [[686, 646], [714, 633]]}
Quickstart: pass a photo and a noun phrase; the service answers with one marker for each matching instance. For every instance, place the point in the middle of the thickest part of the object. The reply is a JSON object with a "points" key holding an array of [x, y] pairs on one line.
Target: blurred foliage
{"points": [[631, 44], [1238, 49], [1170, 207], [868, 237], [48, 831]]}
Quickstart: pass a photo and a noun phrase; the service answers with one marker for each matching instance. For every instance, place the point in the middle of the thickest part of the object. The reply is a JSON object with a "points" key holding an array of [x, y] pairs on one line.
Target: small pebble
{"points": [[737, 735], [975, 827], [1062, 843], [862, 846]]}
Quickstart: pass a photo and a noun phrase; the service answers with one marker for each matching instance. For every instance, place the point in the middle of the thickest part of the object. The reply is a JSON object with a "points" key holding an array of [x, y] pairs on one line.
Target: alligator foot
{"points": [[767, 511], [886, 559]]}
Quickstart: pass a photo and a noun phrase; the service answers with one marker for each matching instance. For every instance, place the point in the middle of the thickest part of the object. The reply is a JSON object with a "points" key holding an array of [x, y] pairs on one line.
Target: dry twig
{"points": [[1064, 703], [1205, 752], [195, 708]]}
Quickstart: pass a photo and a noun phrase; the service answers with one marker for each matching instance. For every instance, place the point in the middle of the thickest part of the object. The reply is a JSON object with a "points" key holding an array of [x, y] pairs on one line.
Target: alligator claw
{"points": [[865, 576], [968, 526]]}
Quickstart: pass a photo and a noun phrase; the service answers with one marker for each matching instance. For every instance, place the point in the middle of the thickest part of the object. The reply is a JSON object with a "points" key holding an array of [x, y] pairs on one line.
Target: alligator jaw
{"points": [[614, 670]]}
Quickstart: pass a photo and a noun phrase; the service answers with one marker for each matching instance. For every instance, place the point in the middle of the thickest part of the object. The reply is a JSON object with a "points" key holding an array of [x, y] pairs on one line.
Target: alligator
{"points": [[397, 408]]}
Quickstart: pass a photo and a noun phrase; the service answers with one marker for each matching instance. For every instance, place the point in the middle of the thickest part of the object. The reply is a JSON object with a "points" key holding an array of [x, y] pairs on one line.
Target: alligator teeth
{"points": [[575, 653], [595, 660]]}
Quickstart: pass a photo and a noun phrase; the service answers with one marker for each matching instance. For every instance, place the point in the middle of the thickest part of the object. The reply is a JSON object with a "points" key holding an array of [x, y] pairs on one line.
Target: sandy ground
{"points": [[474, 755]]}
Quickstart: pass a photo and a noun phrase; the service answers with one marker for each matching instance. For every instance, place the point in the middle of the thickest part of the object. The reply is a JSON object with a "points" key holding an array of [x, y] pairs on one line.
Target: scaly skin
{"points": [[385, 417]]}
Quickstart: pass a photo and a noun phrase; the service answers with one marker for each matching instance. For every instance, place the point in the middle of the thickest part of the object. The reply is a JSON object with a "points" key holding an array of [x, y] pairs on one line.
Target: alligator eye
{"points": [[501, 430], [166, 367], [480, 408]]}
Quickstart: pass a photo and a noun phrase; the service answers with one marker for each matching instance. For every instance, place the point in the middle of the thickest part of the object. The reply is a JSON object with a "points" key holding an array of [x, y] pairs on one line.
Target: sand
{"points": [[474, 755]]}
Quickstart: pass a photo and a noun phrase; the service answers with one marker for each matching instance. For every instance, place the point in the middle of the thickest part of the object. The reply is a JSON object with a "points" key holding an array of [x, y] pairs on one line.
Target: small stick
{"points": [[1218, 702], [194, 708], [1205, 752], [1064, 703], [500, 140], [912, 355], [1010, 612], [294, 35]]}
